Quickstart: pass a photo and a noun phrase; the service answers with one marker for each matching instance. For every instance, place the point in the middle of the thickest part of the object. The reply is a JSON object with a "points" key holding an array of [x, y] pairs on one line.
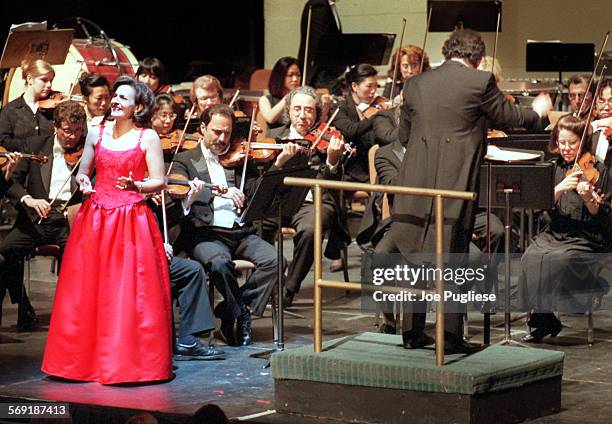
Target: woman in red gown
{"points": [[111, 319]]}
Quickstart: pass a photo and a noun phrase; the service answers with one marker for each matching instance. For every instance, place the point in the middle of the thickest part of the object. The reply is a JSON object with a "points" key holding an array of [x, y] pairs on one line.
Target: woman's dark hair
{"points": [[87, 82], [464, 44], [155, 67], [276, 84], [162, 100], [573, 124], [144, 96], [358, 73]]}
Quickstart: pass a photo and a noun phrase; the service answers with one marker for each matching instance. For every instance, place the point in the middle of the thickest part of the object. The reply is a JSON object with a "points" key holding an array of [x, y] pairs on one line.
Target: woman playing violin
{"points": [[97, 93], [285, 76], [353, 122], [409, 65], [22, 118], [152, 72], [559, 269]]}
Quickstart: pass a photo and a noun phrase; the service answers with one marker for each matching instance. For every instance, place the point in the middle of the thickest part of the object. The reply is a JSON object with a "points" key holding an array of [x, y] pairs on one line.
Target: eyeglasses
{"points": [[166, 116], [604, 102]]}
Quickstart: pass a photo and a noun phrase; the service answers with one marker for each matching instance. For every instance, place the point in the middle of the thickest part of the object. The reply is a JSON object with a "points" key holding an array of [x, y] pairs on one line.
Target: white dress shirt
{"points": [[60, 174]]}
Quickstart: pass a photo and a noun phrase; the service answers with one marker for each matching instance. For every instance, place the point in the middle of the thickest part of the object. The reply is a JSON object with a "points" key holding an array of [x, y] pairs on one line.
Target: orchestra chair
{"points": [[259, 79]]}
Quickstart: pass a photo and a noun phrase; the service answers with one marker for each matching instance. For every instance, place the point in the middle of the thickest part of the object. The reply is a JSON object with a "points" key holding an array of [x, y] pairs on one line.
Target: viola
{"points": [[379, 103], [171, 140], [177, 186], [264, 150], [37, 158], [56, 98], [321, 135]]}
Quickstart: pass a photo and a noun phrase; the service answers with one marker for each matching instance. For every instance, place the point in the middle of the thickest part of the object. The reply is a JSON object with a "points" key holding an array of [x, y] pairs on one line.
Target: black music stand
{"points": [[350, 49], [515, 185], [559, 57], [479, 15], [273, 198]]}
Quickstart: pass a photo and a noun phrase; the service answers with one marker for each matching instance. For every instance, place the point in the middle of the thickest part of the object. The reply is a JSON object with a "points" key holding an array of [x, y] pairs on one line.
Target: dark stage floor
{"points": [[241, 387]]}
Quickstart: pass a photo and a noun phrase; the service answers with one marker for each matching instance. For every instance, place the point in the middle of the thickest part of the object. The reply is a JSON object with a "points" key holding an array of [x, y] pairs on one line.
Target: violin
{"points": [[179, 100], [379, 103], [73, 156], [56, 98], [590, 174], [263, 151], [171, 140], [37, 158], [323, 133], [177, 186]]}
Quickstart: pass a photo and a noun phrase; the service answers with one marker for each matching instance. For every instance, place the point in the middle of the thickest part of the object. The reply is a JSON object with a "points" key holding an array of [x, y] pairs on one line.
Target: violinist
{"points": [[97, 93], [206, 91], [602, 126], [213, 235], [409, 65], [164, 114], [354, 123], [153, 73], [22, 118], [559, 268], [577, 92], [285, 76], [35, 186], [304, 108]]}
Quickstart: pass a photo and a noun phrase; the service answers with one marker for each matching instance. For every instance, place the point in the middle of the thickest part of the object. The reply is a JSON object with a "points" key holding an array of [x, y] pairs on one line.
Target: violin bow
{"points": [[425, 40], [327, 125], [74, 168], [247, 149], [234, 97], [590, 115], [397, 58], [307, 45], [603, 46], [496, 35], [182, 137]]}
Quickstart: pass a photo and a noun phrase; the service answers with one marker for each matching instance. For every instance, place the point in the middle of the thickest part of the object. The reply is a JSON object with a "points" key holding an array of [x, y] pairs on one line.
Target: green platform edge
{"points": [[378, 360]]}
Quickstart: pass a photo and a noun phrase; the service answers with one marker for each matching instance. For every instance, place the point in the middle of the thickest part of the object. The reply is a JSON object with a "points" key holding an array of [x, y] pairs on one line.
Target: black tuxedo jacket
{"points": [[33, 178], [442, 125]]}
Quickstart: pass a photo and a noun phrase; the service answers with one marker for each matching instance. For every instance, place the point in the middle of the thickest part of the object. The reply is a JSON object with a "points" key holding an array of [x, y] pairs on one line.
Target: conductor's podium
{"points": [[370, 378]]}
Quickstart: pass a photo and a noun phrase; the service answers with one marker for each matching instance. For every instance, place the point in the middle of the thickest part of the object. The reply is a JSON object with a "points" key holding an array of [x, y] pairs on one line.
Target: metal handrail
{"points": [[438, 195]]}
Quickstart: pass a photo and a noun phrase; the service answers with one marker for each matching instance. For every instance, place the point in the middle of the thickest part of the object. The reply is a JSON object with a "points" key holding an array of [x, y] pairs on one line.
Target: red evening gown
{"points": [[111, 318]]}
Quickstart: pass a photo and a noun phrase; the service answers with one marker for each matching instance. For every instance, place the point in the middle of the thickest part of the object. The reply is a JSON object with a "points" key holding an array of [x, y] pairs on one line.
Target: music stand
{"points": [[479, 15], [350, 49], [559, 57], [272, 198], [516, 185], [52, 46]]}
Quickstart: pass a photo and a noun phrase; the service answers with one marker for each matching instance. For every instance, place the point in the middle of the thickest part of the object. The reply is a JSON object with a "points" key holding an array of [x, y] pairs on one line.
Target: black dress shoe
{"points": [[26, 317], [387, 329], [197, 351], [416, 339], [243, 328], [288, 299], [549, 329], [455, 344]]}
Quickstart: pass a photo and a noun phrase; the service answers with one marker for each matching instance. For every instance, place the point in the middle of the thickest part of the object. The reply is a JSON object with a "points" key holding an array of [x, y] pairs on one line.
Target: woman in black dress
{"points": [[559, 269]]}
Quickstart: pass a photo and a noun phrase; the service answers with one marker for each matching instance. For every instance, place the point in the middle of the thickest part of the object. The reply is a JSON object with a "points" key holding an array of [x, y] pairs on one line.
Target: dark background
{"points": [[223, 38]]}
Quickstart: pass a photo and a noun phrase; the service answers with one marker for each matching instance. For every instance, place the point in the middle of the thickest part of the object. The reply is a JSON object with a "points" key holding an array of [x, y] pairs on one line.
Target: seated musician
{"points": [[97, 93], [164, 114], [40, 196], [409, 65], [560, 267], [354, 119], [285, 76], [303, 109], [153, 73], [213, 235], [21, 118], [577, 93], [602, 125], [206, 91], [6, 171]]}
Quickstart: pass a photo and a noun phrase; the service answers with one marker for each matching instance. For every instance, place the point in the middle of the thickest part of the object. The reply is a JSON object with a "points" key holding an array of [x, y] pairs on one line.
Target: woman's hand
{"points": [[128, 183], [569, 183], [85, 184]]}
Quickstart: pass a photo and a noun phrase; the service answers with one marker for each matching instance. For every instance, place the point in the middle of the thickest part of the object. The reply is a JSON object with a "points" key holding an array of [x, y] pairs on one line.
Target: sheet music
{"points": [[502, 155]]}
